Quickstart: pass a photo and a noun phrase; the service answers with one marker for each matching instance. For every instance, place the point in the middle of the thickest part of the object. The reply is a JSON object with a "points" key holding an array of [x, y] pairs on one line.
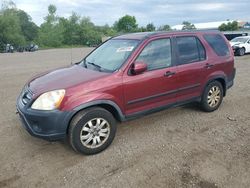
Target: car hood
{"points": [[63, 78], [235, 43]]}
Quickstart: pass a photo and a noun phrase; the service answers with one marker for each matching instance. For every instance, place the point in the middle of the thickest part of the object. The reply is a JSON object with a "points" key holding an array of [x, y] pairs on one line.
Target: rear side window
{"points": [[217, 43], [190, 50]]}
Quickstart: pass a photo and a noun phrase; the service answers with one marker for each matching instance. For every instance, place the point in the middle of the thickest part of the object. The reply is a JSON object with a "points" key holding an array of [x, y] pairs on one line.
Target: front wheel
{"points": [[92, 130], [212, 96], [241, 51]]}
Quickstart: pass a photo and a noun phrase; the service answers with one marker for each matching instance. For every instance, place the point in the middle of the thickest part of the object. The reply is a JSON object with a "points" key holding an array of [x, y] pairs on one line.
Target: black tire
{"points": [[241, 51], [81, 119], [207, 92]]}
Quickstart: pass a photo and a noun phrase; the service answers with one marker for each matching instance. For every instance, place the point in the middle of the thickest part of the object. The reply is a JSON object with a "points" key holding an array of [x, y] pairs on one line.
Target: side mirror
{"points": [[139, 67]]}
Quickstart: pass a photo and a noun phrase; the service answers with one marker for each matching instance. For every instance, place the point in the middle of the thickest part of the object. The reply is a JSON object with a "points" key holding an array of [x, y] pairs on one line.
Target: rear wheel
{"points": [[212, 96], [242, 51], [92, 130]]}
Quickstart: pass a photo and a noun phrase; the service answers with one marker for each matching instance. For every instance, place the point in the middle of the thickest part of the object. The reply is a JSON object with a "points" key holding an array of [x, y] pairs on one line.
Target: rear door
{"points": [[191, 67], [221, 56]]}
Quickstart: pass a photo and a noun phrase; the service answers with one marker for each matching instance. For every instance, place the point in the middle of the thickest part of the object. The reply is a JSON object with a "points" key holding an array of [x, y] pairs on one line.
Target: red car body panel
{"points": [[63, 78], [130, 94], [85, 85], [108, 87]]}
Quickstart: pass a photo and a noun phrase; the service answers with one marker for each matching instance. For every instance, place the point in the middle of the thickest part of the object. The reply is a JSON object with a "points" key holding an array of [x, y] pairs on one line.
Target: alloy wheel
{"points": [[214, 96], [242, 51], [95, 132]]}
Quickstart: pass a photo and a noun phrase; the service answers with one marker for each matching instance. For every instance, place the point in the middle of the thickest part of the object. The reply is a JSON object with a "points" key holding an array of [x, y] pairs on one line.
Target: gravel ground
{"points": [[179, 147]]}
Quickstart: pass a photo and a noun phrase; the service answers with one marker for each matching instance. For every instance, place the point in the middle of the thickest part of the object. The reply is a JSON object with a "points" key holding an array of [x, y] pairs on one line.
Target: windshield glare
{"points": [[111, 55], [239, 39]]}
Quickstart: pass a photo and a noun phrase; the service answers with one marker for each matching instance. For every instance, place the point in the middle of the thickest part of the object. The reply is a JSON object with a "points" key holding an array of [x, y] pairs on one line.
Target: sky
{"points": [[159, 12]]}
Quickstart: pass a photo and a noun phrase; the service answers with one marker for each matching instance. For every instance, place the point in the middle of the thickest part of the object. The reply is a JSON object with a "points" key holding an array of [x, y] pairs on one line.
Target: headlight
{"points": [[49, 100]]}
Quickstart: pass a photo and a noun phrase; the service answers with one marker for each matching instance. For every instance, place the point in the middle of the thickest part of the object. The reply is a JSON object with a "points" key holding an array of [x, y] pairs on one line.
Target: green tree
{"points": [[29, 28], [88, 33], [187, 26], [230, 26], [76, 30], [142, 29], [126, 23], [71, 29], [51, 18], [51, 32], [164, 28], [24, 29], [150, 27], [52, 9], [7, 4], [10, 27], [106, 30]]}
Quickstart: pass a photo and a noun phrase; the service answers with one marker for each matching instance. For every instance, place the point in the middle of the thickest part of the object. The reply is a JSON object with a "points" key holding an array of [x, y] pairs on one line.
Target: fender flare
{"points": [[99, 102], [218, 77]]}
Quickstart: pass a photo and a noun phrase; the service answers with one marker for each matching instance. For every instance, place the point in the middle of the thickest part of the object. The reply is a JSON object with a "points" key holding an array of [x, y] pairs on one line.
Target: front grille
{"points": [[27, 96]]}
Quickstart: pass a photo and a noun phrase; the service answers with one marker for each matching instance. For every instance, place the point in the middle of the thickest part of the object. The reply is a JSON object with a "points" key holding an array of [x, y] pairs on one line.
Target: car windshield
{"points": [[239, 39], [111, 55]]}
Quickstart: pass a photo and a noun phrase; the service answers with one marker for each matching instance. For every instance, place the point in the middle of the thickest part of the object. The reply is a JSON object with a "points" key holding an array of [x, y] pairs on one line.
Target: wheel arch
{"points": [[220, 79], [108, 105]]}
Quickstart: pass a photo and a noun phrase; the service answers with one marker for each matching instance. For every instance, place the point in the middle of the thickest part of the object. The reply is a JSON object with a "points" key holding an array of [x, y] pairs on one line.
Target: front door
{"points": [[155, 87]]}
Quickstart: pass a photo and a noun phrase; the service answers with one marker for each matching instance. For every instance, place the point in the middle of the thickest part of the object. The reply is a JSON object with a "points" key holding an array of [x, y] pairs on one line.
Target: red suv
{"points": [[126, 77]]}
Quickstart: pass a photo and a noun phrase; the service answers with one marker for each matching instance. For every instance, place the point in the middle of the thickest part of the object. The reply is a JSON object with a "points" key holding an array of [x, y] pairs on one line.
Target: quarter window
{"points": [[217, 43], [190, 50], [157, 54]]}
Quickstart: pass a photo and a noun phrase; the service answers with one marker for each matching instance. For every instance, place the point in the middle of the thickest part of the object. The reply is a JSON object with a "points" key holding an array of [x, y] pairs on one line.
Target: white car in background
{"points": [[241, 45]]}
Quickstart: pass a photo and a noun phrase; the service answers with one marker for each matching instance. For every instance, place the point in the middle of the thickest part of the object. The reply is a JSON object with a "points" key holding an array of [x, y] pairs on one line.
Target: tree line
{"points": [[17, 28]]}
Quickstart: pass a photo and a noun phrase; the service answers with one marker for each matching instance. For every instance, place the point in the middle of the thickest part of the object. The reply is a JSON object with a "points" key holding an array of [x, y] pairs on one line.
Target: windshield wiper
{"points": [[95, 65], [100, 68]]}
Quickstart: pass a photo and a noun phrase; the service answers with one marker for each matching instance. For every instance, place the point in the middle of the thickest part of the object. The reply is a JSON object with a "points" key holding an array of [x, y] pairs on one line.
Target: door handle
{"points": [[168, 73], [208, 66]]}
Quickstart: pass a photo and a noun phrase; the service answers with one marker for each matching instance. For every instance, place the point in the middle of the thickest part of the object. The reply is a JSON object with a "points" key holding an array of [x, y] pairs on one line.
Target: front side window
{"points": [[190, 49], [111, 55], [157, 54]]}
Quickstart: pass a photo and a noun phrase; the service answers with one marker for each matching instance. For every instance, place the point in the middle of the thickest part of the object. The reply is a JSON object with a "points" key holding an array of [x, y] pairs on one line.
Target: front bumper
{"points": [[235, 49], [49, 125]]}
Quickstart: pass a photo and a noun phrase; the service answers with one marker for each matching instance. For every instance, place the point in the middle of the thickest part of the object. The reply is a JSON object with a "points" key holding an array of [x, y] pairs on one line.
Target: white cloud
{"points": [[210, 6], [27, 7], [69, 3], [157, 11]]}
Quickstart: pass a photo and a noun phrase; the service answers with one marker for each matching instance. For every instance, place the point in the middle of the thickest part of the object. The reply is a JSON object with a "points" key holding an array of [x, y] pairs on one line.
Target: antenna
{"points": [[71, 48], [71, 54]]}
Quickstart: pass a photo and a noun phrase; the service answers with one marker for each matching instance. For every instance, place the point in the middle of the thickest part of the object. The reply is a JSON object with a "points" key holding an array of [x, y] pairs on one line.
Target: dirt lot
{"points": [[181, 147]]}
